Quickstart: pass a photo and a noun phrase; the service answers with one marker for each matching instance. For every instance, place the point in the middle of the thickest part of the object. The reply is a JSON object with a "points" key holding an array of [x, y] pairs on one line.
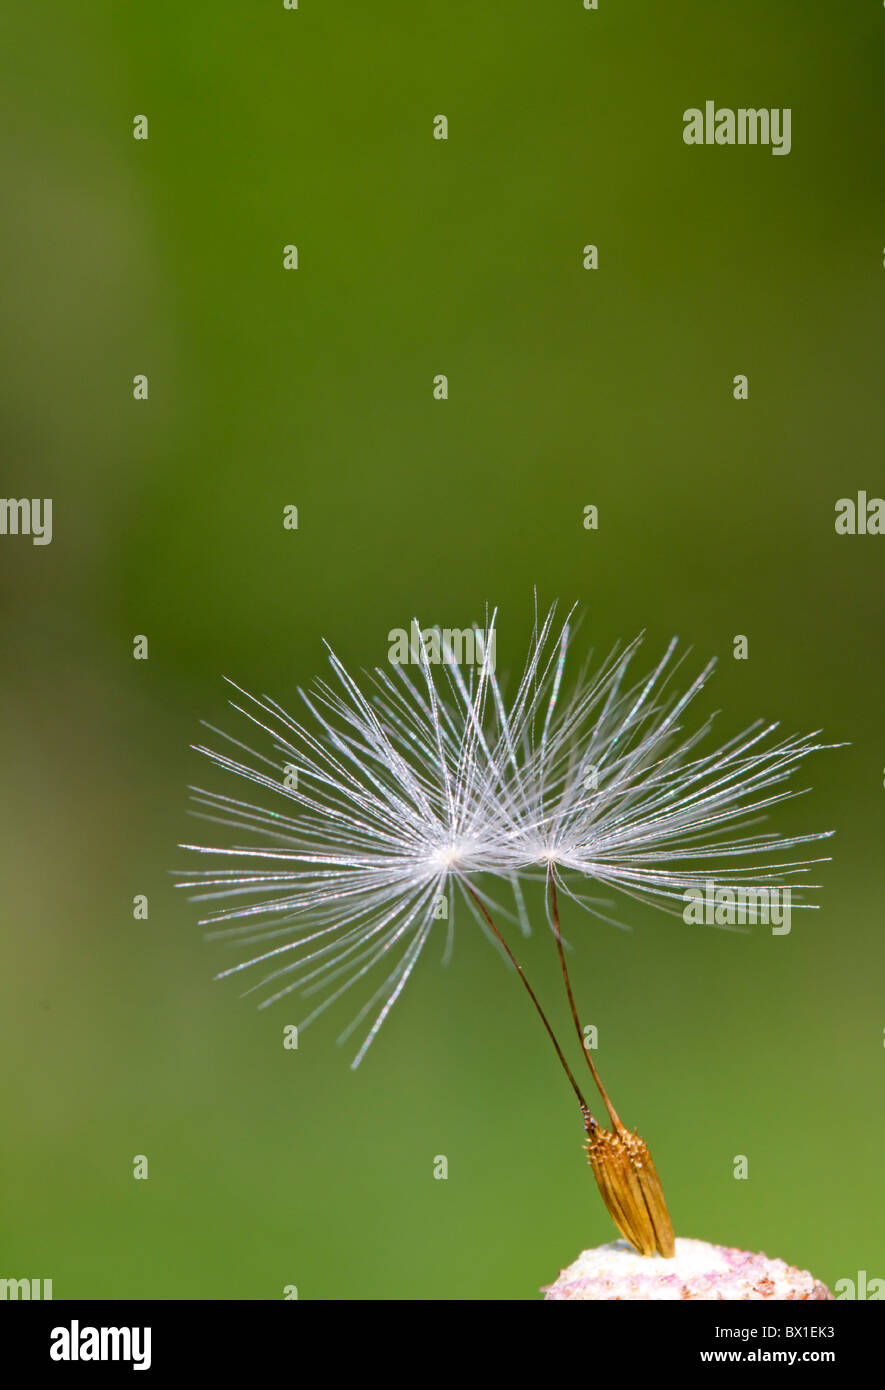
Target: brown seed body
{"points": [[630, 1187]]}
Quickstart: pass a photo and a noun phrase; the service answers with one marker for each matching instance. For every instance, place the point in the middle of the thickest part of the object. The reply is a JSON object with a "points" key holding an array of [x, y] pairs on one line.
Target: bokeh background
{"points": [[314, 388]]}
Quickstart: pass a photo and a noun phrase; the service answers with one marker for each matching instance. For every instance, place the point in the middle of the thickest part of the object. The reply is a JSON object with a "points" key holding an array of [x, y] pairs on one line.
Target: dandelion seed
{"points": [[412, 790]]}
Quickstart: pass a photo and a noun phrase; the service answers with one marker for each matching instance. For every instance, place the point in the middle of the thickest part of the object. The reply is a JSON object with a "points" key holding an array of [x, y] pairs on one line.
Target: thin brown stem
{"points": [[622, 1165], [588, 1118], [571, 999]]}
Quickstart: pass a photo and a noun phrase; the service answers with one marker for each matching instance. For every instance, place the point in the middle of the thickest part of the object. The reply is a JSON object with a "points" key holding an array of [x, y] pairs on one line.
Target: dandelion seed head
{"points": [[399, 794]]}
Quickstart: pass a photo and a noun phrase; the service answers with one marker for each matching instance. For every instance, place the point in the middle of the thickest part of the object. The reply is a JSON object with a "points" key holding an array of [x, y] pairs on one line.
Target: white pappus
{"points": [[401, 792]]}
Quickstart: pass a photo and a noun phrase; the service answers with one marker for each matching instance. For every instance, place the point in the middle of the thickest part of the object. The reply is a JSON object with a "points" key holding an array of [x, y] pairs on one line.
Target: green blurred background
{"points": [[314, 388]]}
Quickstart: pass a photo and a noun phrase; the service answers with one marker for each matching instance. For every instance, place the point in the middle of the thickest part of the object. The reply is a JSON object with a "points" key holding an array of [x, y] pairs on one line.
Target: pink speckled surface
{"points": [[698, 1270]]}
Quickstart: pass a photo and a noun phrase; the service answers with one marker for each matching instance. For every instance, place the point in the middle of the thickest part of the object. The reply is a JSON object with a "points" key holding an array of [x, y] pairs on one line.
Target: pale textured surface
{"points": [[698, 1270]]}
